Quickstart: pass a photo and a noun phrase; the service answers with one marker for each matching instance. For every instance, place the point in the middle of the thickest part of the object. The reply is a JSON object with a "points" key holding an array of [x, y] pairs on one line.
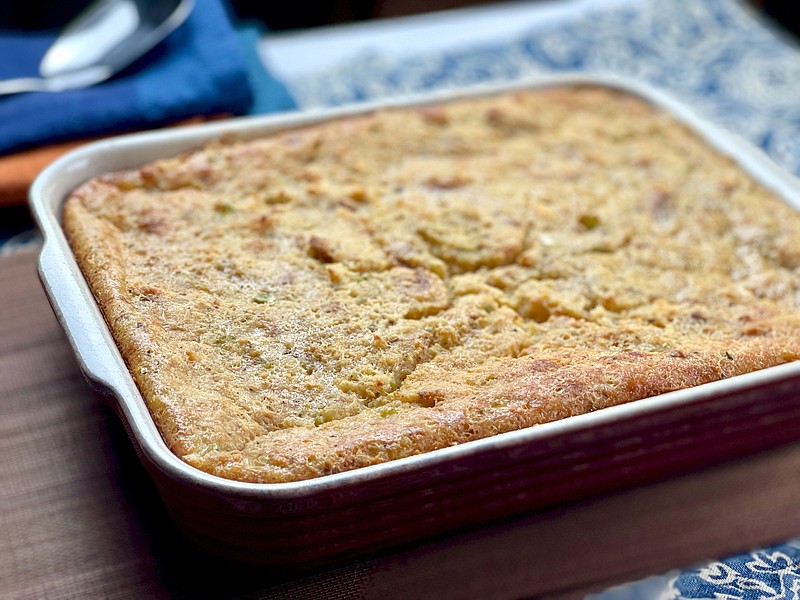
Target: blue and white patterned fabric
{"points": [[766, 574], [718, 56], [772, 573]]}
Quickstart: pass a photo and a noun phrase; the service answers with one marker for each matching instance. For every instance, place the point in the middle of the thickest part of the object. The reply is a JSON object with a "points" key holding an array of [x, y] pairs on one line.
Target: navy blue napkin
{"points": [[269, 93], [201, 69]]}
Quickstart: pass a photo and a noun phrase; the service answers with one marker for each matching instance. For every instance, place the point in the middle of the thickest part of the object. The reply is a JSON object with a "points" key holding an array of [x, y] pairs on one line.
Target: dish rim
{"points": [[103, 366]]}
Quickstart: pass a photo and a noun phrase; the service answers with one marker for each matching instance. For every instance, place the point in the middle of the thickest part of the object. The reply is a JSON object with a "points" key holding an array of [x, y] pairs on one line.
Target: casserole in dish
{"points": [[313, 334]]}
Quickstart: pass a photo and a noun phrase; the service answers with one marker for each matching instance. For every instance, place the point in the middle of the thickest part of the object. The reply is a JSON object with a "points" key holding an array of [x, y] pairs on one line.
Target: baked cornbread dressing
{"points": [[384, 285]]}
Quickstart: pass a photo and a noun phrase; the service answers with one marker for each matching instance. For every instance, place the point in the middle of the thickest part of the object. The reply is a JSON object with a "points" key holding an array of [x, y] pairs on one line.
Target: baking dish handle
{"points": [[76, 310]]}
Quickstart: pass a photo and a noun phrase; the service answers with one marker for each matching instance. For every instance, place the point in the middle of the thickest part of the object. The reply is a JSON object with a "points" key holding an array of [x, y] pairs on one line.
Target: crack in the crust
{"points": [[434, 344], [371, 395], [458, 265], [436, 348], [404, 372]]}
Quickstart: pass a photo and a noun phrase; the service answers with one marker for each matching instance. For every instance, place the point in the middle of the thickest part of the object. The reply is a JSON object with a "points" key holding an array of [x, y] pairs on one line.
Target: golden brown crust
{"points": [[386, 285]]}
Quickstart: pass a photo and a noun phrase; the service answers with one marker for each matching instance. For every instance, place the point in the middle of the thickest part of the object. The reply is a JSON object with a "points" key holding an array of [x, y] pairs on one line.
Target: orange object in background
{"points": [[17, 171]]}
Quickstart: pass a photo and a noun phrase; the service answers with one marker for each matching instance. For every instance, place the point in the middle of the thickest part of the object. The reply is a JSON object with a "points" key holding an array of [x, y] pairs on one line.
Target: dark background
{"points": [[46, 14]]}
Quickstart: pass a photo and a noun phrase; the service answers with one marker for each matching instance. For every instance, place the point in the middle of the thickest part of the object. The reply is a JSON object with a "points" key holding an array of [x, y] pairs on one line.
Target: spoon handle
{"points": [[22, 84], [77, 79]]}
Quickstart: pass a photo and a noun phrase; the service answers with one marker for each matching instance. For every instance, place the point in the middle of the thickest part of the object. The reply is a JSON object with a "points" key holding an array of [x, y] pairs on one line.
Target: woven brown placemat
{"points": [[80, 518]]}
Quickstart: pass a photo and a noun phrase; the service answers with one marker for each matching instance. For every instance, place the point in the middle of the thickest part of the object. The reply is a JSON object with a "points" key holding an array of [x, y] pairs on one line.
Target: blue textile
{"points": [[201, 69], [269, 94], [768, 573]]}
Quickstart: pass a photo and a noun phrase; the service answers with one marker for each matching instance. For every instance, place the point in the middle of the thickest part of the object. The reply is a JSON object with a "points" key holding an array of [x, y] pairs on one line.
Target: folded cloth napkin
{"points": [[201, 69], [270, 94]]}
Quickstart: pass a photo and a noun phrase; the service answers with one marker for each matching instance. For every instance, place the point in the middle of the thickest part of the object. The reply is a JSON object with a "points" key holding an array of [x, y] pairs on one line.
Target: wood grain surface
{"points": [[80, 518]]}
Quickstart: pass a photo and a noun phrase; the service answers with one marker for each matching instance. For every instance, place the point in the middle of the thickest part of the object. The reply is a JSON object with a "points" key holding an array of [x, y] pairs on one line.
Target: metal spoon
{"points": [[100, 42]]}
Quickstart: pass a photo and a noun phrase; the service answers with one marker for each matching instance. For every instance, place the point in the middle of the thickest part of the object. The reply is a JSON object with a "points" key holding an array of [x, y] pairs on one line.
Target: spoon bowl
{"points": [[102, 41]]}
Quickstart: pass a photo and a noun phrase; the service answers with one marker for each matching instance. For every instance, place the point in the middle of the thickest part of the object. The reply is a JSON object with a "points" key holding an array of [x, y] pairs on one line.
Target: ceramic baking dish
{"points": [[380, 506]]}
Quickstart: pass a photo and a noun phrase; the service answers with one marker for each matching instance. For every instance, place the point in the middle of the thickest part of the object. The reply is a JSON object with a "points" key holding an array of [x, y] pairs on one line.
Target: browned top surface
{"points": [[392, 284]]}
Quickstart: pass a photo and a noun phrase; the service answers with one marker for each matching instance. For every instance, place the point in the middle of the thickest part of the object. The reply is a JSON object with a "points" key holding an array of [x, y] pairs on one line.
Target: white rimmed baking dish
{"points": [[384, 505]]}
